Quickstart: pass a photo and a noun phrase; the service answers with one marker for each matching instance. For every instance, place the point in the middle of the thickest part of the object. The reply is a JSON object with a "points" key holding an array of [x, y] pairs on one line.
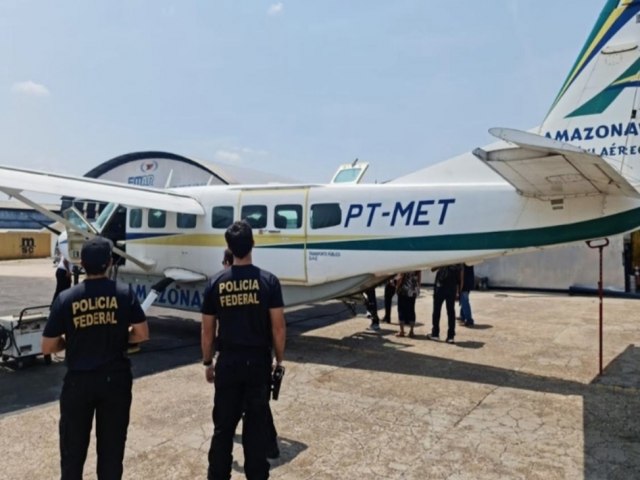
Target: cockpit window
{"points": [[104, 216], [324, 215], [135, 218], [221, 217]]}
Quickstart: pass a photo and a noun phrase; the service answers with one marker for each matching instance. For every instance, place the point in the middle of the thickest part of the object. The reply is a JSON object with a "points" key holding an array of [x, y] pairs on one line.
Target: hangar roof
{"points": [[135, 165]]}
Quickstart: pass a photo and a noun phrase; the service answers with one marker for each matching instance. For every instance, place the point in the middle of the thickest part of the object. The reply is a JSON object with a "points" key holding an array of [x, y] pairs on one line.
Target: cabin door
{"points": [[278, 219]]}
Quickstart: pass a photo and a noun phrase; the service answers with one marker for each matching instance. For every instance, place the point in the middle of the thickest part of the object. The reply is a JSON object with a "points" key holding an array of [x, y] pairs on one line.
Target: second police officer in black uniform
{"points": [[94, 321], [243, 315]]}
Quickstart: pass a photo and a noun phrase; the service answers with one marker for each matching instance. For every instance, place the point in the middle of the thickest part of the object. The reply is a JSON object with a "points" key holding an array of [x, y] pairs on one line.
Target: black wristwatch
{"points": [[207, 363]]}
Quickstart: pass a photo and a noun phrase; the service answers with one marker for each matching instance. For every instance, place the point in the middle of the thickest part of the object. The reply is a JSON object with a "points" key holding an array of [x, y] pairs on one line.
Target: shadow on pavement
{"points": [[611, 403], [289, 450], [175, 342]]}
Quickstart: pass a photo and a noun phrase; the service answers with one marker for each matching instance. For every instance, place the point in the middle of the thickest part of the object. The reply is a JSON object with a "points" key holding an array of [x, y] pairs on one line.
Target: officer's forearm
{"points": [[278, 332], [139, 332], [279, 338], [207, 338], [138, 337], [207, 350], [52, 345], [278, 347]]}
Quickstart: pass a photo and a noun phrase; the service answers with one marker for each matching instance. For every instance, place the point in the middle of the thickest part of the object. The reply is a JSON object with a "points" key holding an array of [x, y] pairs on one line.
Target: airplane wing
{"points": [[544, 168], [15, 180]]}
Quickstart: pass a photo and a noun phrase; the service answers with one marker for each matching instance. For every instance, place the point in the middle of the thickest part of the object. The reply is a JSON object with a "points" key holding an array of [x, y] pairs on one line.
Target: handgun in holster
{"points": [[276, 382]]}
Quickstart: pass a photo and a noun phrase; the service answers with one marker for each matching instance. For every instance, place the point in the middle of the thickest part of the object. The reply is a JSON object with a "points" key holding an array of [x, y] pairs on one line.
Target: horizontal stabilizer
{"points": [[544, 168], [15, 179]]}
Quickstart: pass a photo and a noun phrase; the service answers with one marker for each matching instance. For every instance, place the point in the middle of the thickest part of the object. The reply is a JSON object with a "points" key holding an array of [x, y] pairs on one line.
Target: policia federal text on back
{"points": [[242, 314], [94, 321]]}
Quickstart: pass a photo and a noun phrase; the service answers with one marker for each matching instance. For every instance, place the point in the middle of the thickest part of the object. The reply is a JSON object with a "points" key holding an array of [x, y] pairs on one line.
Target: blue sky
{"points": [[292, 87]]}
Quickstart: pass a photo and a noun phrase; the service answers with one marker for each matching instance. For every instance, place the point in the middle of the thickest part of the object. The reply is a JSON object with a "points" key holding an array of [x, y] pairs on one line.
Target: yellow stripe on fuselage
{"points": [[218, 240]]}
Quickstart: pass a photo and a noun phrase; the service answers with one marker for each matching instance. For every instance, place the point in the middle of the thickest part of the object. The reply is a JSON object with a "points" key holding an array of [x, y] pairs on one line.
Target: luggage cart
{"points": [[21, 335]]}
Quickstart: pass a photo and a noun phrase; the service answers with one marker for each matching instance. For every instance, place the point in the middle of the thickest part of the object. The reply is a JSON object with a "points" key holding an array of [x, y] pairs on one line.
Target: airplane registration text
{"points": [[416, 212]]}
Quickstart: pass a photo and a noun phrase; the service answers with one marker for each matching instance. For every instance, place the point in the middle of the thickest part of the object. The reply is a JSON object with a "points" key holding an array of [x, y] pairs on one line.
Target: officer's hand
{"points": [[275, 365], [210, 373]]}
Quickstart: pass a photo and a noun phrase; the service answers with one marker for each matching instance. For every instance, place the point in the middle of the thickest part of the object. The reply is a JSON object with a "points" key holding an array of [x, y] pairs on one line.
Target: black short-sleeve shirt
{"points": [[448, 278], [240, 297], [94, 316]]}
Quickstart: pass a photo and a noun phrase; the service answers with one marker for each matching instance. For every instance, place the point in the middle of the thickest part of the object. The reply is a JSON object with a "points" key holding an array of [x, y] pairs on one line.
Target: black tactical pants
{"points": [[63, 281], [108, 395], [448, 297], [389, 292], [241, 386]]}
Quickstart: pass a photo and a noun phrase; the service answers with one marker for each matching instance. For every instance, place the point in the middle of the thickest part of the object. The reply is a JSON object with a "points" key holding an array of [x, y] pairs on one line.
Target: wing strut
{"points": [[57, 218]]}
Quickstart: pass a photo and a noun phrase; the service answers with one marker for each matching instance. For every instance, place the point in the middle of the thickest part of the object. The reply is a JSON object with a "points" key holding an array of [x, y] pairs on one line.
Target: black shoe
{"points": [[433, 337], [469, 324], [273, 452], [386, 319], [450, 340]]}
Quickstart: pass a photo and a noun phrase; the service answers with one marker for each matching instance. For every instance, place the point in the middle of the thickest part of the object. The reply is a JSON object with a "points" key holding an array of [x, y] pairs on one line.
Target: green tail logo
{"points": [[599, 103]]}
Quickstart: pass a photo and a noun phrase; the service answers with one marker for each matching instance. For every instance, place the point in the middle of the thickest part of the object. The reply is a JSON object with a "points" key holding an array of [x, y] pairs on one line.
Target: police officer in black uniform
{"points": [[272, 434], [94, 321], [243, 316]]}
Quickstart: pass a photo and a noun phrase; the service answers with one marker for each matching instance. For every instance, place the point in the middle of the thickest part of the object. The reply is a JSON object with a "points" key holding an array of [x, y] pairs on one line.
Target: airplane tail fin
{"points": [[598, 106]]}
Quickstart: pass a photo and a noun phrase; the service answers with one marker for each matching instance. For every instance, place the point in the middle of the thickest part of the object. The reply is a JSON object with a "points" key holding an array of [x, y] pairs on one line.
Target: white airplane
{"points": [[573, 178]]}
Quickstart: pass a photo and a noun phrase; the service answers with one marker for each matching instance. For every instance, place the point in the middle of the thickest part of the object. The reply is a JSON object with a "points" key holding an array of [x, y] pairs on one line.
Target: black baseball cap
{"points": [[96, 254]]}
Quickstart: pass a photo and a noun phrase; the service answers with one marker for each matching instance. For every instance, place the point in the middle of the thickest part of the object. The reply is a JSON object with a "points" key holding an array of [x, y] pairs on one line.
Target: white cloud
{"points": [[30, 88], [275, 9], [227, 156], [252, 151]]}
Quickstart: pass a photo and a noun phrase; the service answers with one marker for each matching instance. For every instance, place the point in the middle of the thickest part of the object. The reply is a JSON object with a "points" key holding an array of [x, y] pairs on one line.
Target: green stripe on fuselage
{"points": [[507, 239], [603, 99]]}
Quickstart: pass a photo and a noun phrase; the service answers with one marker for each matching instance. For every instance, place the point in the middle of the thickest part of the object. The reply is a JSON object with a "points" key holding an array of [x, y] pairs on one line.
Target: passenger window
{"points": [[325, 215], [135, 218], [221, 217], [288, 216], [255, 215], [157, 218], [186, 220]]}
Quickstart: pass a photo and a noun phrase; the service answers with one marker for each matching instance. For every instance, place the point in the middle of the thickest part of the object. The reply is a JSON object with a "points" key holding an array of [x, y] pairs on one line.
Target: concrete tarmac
{"points": [[517, 397]]}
